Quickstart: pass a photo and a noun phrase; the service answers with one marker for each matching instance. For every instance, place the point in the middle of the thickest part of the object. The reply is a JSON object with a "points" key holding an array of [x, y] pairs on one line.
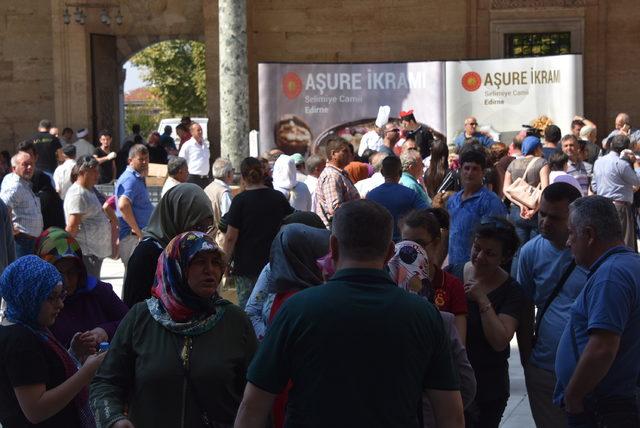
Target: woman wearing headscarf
{"points": [[184, 207], [40, 382], [292, 267], [178, 359], [285, 181], [91, 307]]}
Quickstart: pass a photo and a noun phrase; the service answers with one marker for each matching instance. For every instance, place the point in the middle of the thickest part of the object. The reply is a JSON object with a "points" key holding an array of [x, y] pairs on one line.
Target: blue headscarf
{"points": [[25, 284]]}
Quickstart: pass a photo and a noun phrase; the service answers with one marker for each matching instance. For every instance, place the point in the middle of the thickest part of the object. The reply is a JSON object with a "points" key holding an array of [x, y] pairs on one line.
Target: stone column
{"points": [[234, 80]]}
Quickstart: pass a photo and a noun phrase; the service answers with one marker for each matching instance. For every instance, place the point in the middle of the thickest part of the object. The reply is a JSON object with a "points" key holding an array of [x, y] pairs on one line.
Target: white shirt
{"points": [[225, 201], [168, 184], [368, 184], [311, 183], [197, 156], [62, 177], [94, 226]]}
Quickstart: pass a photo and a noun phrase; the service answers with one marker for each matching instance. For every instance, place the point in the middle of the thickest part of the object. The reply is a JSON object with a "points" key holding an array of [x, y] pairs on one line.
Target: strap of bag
{"points": [[554, 294], [528, 168], [185, 357]]}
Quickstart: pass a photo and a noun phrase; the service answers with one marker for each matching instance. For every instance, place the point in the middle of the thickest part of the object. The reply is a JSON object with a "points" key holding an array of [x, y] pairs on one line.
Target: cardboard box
{"points": [[157, 174]]}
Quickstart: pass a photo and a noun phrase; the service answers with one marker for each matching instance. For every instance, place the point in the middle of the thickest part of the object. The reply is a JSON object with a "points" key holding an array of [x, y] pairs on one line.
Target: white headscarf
{"points": [[284, 173]]}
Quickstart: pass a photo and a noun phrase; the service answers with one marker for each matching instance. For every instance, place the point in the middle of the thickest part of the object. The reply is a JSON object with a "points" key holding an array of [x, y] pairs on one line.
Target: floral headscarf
{"points": [[410, 260], [173, 304], [55, 244]]}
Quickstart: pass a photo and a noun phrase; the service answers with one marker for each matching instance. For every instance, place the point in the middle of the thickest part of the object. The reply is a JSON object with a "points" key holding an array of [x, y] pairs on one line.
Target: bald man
{"points": [[470, 126], [623, 126]]}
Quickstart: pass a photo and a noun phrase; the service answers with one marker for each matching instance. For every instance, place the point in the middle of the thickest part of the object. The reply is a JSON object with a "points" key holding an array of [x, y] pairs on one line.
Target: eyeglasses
{"points": [[473, 123], [392, 130], [59, 296], [422, 242]]}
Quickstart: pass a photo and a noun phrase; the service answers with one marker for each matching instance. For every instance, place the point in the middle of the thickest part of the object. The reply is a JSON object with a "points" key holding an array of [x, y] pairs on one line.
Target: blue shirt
{"points": [[408, 180], [614, 178], [483, 139], [540, 267], [465, 217], [398, 199], [609, 301], [131, 184]]}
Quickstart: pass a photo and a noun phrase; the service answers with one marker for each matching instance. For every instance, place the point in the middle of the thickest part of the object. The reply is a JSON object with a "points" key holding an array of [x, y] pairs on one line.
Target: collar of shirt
{"points": [[196, 141], [476, 195], [365, 275], [409, 176], [341, 171], [619, 249], [133, 172], [222, 183]]}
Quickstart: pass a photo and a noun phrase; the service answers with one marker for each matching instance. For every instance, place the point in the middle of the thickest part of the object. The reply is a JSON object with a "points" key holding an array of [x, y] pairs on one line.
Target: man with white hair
{"points": [[411, 173], [218, 190], [622, 126], [16, 193], [470, 131], [83, 147]]}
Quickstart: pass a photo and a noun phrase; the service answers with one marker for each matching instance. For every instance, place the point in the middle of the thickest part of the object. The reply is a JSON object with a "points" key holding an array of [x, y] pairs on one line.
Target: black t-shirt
{"points": [[157, 154], [423, 138], [257, 214], [51, 206], [46, 147], [26, 360], [141, 271], [106, 168], [359, 350], [491, 367]]}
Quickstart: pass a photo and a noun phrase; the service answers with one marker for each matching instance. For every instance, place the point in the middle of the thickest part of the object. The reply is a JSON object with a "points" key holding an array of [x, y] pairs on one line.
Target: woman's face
{"points": [[91, 176], [487, 254], [52, 306], [70, 271], [204, 274]]}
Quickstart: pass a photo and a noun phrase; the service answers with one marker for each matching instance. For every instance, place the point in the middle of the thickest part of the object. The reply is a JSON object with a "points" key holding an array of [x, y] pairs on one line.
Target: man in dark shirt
{"points": [[157, 153], [48, 148], [106, 158], [359, 350], [421, 134]]}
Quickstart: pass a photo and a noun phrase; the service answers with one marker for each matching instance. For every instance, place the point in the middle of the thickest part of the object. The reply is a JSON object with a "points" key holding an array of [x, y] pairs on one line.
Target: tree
{"points": [[176, 71]]}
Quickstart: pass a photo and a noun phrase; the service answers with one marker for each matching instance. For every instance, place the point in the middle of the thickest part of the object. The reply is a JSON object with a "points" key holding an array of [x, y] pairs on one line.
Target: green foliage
{"points": [[147, 118], [176, 70]]}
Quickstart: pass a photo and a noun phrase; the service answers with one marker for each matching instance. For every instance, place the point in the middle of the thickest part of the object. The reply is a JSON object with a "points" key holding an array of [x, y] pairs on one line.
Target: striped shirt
{"points": [[17, 194]]}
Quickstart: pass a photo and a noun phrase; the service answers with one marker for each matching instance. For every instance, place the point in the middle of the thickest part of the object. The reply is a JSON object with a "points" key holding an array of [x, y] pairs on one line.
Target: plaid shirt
{"points": [[333, 189], [25, 206]]}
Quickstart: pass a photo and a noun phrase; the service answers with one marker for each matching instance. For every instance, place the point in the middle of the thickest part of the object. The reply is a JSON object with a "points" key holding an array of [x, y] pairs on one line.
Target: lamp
{"points": [[80, 16], [66, 17]]}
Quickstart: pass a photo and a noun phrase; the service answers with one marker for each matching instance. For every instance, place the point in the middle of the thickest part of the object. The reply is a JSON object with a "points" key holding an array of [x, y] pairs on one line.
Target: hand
{"points": [[99, 335], [123, 423], [476, 293], [93, 362], [578, 117], [83, 345], [527, 213]]}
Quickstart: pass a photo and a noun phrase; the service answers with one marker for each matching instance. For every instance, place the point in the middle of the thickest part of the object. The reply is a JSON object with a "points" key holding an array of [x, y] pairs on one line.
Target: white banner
{"points": [[504, 94], [301, 102]]}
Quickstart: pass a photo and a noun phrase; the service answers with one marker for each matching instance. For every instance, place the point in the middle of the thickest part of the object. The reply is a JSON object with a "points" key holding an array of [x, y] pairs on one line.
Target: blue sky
{"points": [[134, 78]]}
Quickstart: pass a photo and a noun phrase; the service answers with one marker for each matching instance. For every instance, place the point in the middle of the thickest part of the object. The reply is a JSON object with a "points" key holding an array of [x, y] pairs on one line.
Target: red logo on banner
{"points": [[291, 85], [471, 81]]}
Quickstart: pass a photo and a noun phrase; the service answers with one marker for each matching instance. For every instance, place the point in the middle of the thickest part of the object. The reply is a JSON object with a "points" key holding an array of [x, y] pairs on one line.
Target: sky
{"points": [[133, 79]]}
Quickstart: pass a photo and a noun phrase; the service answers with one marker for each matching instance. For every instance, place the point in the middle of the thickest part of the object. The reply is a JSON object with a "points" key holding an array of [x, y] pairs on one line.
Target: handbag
{"points": [[522, 192]]}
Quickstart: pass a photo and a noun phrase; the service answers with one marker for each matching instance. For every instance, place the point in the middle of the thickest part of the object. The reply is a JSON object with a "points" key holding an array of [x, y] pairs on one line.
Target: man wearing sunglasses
{"points": [[470, 131], [391, 137]]}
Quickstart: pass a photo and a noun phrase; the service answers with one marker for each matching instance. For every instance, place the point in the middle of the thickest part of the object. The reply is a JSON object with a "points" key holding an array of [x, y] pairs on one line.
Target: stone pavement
{"points": [[516, 415]]}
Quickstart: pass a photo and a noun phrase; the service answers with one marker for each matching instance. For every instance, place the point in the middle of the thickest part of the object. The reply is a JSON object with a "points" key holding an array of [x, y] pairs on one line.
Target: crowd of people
{"points": [[378, 282]]}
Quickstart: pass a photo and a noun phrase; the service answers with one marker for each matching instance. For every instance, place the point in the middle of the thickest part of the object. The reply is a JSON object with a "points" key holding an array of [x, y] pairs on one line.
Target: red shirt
{"points": [[448, 293]]}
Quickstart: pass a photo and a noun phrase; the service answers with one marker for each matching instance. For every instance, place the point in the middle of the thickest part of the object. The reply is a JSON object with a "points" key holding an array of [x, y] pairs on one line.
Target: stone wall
{"points": [[26, 69]]}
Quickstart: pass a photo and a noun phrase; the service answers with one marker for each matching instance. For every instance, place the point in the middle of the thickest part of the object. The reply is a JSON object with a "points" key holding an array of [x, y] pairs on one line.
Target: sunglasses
{"points": [[392, 130]]}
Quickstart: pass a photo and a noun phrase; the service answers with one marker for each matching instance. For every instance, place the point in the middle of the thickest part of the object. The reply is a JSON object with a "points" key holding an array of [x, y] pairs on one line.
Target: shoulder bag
{"points": [[522, 192]]}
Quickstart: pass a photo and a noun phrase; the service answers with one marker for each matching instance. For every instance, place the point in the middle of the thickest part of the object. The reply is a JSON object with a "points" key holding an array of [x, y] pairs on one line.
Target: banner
{"points": [[504, 94], [300, 103]]}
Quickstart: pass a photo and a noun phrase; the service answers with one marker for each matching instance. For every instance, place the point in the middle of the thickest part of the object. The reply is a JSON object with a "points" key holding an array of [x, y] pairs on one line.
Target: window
{"points": [[518, 45]]}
